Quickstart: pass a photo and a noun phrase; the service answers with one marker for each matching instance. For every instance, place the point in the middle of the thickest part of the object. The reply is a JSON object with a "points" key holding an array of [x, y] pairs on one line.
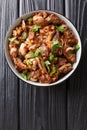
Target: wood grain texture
{"points": [[42, 108], [8, 82], [27, 107], [77, 85]]}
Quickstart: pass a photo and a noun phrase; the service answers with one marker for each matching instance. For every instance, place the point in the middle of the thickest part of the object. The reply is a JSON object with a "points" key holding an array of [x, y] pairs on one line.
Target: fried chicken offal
{"points": [[43, 48]]}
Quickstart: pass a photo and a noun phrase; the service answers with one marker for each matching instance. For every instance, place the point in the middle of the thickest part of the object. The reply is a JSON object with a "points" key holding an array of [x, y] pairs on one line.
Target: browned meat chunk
{"points": [[72, 41], [52, 18], [34, 75], [38, 20], [56, 36], [19, 65], [62, 61], [13, 50], [31, 35], [45, 79], [72, 58], [68, 34], [43, 14], [65, 68], [45, 50], [70, 55]]}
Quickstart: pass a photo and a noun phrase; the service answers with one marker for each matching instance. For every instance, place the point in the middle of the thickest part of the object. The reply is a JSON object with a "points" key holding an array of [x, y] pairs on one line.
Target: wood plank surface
{"points": [[76, 11], [42, 108], [8, 81], [27, 107]]}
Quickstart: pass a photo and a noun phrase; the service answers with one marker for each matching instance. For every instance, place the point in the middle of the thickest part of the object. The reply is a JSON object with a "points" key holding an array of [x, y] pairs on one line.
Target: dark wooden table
{"points": [[25, 107]]}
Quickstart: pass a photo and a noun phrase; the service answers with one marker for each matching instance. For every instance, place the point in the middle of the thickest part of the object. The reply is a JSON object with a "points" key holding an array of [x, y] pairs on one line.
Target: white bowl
{"points": [[10, 63]]}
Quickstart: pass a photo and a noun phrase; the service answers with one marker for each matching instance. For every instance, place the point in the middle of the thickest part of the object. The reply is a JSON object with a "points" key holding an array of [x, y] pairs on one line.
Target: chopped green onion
{"points": [[36, 28], [28, 62], [54, 70], [25, 76], [60, 28], [30, 19], [76, 48], [11, 39], [56, 45], [38, 52], [32, 54], [47, 63], [51, 57], [24, 35]]}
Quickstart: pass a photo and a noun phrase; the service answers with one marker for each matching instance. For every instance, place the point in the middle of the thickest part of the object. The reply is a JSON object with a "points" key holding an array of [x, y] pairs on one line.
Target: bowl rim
{"points": [[66, 76]]}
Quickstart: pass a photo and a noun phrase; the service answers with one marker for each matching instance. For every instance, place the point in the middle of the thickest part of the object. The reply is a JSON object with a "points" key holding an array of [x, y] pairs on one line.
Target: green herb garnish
{"points": [[54, 70], [28, 62], [25, 76], [30, 19], [38, 52], [47, 63], [76, 48], [24, 35], [11, 39], [52, 57], [60, 28], [56, 45], [36, 28], [32, 54]]}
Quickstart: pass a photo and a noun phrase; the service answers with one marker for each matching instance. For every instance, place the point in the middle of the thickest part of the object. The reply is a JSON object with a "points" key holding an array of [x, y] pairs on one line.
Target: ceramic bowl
{"points": [[10, 63]]}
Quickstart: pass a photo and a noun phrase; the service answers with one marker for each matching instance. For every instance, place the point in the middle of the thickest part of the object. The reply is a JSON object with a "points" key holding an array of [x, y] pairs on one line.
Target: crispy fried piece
{"points": [[56, 36], [34, 75], [13, 50], [68, 34], [65, 68], [69, 37], [69, 54], [17, 31], [19, 65], [72, 41], [72, 58], [55, 77], [44, 14], [45, 78], [61, 61], [38, 20], [44, 49], [31, 35], [52, 18]]}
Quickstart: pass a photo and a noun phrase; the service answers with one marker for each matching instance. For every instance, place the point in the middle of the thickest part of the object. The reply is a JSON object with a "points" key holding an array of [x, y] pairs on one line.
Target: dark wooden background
{"points": [[25, 107]]}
